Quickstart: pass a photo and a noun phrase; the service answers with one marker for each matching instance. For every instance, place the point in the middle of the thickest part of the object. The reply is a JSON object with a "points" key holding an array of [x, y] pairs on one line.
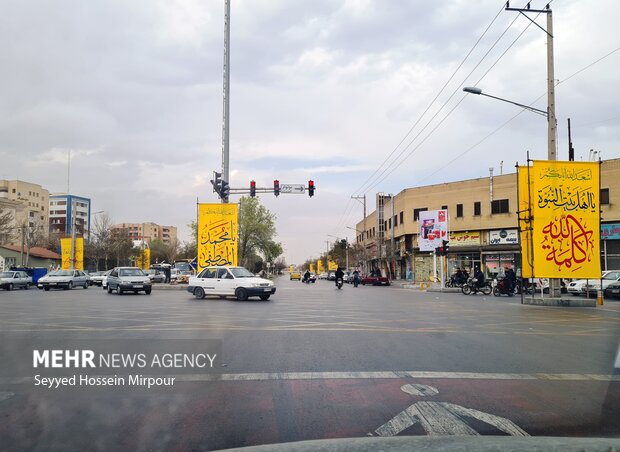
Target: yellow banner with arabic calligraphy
{"points": [[525, 221], [319, 266], [566, 230], [311, 268], [217, 235], [65, 252], [143, 259], [331, 265]]}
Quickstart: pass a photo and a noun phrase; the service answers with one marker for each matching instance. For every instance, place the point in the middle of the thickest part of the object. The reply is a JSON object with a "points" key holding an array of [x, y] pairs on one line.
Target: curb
{"points": [[169, 286]]}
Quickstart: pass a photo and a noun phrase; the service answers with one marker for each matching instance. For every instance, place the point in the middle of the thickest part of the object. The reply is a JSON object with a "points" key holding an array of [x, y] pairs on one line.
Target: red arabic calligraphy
{"points": [[568, 242]]}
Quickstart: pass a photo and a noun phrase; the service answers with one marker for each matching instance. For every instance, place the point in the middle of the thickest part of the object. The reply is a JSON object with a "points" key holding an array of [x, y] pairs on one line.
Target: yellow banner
{"points": [[525, 225], [311, 268], [565, 205], [319, 266], [331, 265], [217, 235], [143, 259], [65, 252], [291, 268]]}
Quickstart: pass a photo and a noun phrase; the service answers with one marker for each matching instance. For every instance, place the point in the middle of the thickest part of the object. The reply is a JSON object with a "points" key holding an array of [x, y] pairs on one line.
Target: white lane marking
{"points": [[419, 390], [368, 376]]}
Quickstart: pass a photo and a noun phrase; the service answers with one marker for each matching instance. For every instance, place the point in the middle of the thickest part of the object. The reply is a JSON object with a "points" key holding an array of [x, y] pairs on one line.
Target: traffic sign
{"points": [[297, 189]]}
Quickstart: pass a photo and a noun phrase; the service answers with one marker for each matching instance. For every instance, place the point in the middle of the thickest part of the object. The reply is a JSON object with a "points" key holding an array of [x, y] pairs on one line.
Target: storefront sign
{"points": [[610, 231], [464, 239], [504, 237]]}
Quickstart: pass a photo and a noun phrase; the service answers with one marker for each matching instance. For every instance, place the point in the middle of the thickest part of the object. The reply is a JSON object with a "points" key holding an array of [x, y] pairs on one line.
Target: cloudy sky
{"points": [[359, 95]]}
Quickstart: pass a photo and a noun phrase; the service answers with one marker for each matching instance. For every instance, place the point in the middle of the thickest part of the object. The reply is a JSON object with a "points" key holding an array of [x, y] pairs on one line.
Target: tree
{"points": [[188, 250], [164, 252], [7, 226], [34, 234], [121, 246], [256, 233]]}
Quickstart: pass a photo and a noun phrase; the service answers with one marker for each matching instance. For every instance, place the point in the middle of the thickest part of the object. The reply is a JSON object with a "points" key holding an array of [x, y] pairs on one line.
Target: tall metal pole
{"points": [[392, 270], [552, 124], [226, 112], [72, 233]]}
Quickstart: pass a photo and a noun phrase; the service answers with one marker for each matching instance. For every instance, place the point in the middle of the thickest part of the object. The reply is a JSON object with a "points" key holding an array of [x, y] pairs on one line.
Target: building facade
{"points": [[148, 232], [28, 203], [62, 208], [483, 225]]}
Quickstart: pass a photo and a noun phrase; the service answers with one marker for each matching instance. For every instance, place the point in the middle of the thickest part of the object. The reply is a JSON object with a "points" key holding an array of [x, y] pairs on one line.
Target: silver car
{"points": [[64, 279], [128, 279], [13, 279]]}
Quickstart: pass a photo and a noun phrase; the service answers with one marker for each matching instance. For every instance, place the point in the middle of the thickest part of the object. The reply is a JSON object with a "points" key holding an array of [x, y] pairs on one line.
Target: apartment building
{"points": [[64, 207], [483, 225], [27, 202], [148, 232]]}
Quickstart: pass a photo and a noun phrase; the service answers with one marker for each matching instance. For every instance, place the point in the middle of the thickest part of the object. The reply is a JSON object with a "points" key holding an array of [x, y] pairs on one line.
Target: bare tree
{"points": [[7, 226], [33, 234]]}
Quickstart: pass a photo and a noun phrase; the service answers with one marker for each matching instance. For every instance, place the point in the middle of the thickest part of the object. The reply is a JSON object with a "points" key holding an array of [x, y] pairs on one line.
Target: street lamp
{"points": [[478, 91]]}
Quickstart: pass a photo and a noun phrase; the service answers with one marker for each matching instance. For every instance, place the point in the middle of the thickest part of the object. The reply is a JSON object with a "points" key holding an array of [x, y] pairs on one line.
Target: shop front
{"points": [[501, 253], [610, 247], [464, 251]]}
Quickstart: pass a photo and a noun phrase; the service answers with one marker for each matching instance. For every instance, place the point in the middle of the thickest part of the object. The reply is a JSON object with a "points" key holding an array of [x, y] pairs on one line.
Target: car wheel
{"points": [[264, 297], [147, 291], [241, 294], [70, 285], [199, 293], [9, 287], [85, 286], [109, 289], [46, 289]]}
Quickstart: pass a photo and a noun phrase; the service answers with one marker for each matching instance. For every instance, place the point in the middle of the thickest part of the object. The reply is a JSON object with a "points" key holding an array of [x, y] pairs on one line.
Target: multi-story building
{"points": [[148, 232], [28, 203], [483, 224], [63, 207]]}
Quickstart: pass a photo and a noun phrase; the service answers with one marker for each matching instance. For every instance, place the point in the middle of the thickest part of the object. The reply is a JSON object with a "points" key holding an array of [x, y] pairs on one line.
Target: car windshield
{"points": [[240, 272], [61, 273], [612, 276], [6, 274], [130, 272]]}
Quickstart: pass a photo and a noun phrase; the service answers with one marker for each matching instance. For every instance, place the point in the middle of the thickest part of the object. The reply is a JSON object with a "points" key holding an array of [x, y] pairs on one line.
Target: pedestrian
{"points": [[167, 273]]}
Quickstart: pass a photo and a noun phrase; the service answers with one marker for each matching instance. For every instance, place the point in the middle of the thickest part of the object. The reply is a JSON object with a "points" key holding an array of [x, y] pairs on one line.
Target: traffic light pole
{"points": [[226, 107]]}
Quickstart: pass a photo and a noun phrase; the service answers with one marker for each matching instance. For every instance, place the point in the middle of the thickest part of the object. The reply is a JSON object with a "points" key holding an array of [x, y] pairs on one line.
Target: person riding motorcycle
{"points": [[306, 276], [356, 278], [339, 275], [511, 278], [479, 277]]}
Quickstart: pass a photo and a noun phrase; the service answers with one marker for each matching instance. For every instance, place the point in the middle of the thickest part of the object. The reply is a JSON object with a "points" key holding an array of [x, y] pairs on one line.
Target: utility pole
{"points": [[554, 283], [327, 256], [571, 149], [226, 112], [21, 255]]}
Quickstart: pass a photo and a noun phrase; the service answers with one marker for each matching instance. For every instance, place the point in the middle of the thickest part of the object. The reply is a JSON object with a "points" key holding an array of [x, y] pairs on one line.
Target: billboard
{"points": [[331, 265], [319, 266], [566, 228], [65, 252], [433, 229], [217, 235]]}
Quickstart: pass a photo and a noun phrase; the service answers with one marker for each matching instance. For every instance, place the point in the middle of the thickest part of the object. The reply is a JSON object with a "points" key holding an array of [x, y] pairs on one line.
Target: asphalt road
{"points": [[311, 363]]}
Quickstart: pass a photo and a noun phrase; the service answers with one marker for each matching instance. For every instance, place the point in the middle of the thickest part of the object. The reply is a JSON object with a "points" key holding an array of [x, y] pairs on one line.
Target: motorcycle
{"points": [[339, 283], [472, 287], [503, 288]]}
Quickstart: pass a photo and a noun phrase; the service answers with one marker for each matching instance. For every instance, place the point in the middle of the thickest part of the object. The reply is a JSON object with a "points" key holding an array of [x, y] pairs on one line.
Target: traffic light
{"points": [[439, 251], [217, 182], [252, 188], [446, 247], [311, 188], [225, 190], [276, 187]]}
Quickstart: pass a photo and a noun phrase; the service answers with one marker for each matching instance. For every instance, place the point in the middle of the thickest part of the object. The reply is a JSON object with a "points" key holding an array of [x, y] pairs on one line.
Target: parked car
{"points": [[129, 279], [64, 279], [578, 286], [375, 280], [156, 276], [296, 275], [230, 281], [104, 280], [593, 286], [331, 276], [15, 279], [323, 275], [96, 278], [612, 290]]}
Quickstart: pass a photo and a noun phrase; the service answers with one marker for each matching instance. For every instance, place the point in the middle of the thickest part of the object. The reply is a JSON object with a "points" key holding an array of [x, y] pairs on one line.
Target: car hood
{"points": [[134, 278]]}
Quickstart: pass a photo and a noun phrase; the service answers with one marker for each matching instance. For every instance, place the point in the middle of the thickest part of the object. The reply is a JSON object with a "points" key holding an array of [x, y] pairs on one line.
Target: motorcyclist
{"points": [[511, 279], [356, 278], [479, 277], [306, 276], [339, 275]]}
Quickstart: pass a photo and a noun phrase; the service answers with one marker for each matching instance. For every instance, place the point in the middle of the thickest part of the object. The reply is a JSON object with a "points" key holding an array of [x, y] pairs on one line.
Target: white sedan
{"points": [[230, 281], [578, 286]]}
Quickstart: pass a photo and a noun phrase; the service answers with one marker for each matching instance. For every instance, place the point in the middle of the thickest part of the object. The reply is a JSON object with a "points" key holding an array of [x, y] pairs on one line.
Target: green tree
{"points": [[189, 249], [256, 233]]}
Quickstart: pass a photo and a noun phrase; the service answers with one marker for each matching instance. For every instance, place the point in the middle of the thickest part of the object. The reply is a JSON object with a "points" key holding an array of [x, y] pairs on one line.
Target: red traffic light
{"points": [[311, 188], [276, 187], [252, 188]]}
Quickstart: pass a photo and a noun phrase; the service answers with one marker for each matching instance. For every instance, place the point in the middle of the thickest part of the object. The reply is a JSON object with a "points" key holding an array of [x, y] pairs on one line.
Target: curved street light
{"points": [[478, 91]]}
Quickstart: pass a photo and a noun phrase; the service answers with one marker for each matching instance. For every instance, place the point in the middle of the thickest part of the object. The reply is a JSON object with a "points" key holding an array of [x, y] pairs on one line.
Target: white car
{"points": [[230, 281], [593, 286], [104, 279], [64, 279], [578, 286], [13, 279]]}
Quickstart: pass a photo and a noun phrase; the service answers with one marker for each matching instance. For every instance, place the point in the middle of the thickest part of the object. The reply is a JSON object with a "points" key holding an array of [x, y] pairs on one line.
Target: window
{"points": [[13, 190], [395, 221], [444, 207], [477, 208], [604, 196], [416, 213], [401, 217], [499, 206], [459, 210], [389, 223]]}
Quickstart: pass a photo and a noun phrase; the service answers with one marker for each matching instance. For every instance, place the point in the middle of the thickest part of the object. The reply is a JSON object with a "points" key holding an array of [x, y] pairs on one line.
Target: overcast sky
{"points": [[322, 90]]}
